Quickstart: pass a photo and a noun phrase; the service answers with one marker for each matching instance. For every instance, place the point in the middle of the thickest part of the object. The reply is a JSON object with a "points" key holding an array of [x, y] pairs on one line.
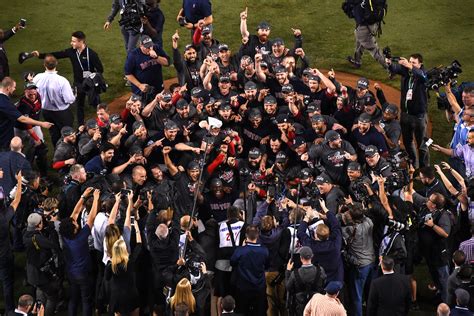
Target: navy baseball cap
{"points": [[363, 83]]}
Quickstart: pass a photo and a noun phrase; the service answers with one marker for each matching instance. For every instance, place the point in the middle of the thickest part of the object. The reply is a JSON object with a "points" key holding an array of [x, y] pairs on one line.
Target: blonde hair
{"points": [[119, 256], [50, 204], [183, 294], [112, 234]]}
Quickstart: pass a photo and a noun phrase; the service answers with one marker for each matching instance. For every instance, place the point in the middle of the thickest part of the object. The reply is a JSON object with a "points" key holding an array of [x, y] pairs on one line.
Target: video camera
{"points": [[387, 53], [440, 76], [132, 13]]}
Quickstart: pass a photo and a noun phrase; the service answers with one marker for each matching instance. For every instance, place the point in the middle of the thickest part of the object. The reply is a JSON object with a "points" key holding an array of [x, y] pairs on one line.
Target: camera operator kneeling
{"points": [[42, 246]]}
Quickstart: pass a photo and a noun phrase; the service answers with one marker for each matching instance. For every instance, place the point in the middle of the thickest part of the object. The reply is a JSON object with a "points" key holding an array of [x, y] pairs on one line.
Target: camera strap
{"points": [[231, 234], [79, 60], [35, 243]]}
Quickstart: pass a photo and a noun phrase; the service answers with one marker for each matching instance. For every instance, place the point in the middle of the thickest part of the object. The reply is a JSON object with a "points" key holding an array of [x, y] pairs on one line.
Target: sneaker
{"points": [[355, 64], [128, 84]]}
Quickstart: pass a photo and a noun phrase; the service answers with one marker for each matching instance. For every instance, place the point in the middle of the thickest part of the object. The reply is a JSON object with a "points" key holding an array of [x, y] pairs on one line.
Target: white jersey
{"points": [[224, 234]]}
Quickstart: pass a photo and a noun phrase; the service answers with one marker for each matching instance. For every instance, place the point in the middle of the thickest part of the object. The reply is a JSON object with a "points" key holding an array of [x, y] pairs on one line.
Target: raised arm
{"points": [[114, 211], [383, 196], [94, 209], [16, 201], [243, 24], [259, 72], [169, 164], [128, 222], [80, 203]]}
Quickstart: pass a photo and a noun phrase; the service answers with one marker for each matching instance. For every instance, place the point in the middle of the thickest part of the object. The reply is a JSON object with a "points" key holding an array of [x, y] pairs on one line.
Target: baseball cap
{"points": [[462, 297], [363, 83], [196, 92], [193, 165], [333, 287], [136, 125], [67, 131], [278, 41], [313, 107], [369, 99], [314, 78], [224, 78], [354, 166], [33, 220], [306, 252], [254, 153], [280, 69], [298, 141], [115, 118], [170, 124], [280, 157], [323, 178], [181, 104], [263, 25], [370, 151], [223, 47], [269, 99], [364, 118], [282, 118], [392, 109], [189, 46], [305, 173], [91, 124], [166, 97], [135, 97], [146, 41], [225, 106], [250, 85], [254, 113], [263, 64], [331, 136], [318, 118], [307, 72], [30, 85], [135, 149], [287, 88], [206, 29]]}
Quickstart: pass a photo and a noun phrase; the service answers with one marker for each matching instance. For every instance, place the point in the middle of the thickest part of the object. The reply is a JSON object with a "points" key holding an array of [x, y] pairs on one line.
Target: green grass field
{"points": [[437, 29]]}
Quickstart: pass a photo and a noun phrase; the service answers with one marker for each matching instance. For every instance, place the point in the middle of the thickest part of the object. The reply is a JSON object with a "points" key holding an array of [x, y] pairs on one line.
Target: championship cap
{"points": [[364, 118], [91, 124], [115, 118], [263, 25], [323, 178], [67, 131], [250, 85], [206, 29], [280, 157], [146, 41], [370, 151], [363, 83], [254, 153], [331, 136]]}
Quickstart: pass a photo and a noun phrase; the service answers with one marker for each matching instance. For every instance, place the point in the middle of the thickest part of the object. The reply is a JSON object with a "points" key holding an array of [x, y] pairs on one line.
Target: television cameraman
{"points": [[413, 105]]}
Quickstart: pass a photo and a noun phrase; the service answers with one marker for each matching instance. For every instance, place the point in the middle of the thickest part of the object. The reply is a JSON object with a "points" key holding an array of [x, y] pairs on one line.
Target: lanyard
{"points": [[79, 60]]}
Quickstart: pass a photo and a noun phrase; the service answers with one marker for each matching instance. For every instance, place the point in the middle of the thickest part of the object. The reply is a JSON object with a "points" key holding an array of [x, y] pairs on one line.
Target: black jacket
{"points": [[389, 295]]}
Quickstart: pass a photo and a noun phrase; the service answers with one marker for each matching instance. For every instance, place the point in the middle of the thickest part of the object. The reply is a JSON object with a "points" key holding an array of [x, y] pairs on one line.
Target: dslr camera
{"points": [[387, 53]]}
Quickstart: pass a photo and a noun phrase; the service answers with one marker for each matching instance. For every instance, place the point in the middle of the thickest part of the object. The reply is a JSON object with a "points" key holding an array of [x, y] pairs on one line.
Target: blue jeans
{"points": [[358, 278], [442, 282], [81, 290], [6, 276]]}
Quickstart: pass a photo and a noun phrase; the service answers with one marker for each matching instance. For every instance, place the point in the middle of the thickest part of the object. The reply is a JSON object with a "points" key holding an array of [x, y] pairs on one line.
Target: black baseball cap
{"points": [[305, 173], [91, 124], [197, 92], [280, 157], [263, 25], [193, 165], [67, 131], [30, 85], [137, 124], [254, 113], [182, 103], [354, 166], [278, 41], [306, 252], [224, 78], [371, 150], [269, 99], [166, 97], [363, 83], [318, 118], [392, 109], [171, 125], [254, 153], [369, 99], [282, 118], [298, 141], [115, 118], [146, 41], [206, 29], [287, 88], [364, 118], [225, 106], [313, 107], [223, 47], [280, 69], [135, 97], [331, 136], [250, 85], [323, 178], [314, 78]]}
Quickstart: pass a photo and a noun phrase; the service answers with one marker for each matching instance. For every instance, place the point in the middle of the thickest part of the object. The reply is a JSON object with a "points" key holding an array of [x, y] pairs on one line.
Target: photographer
{"points": [[71, 190], [435, 227], [130, 35], [193, 12], [42, 249], [358, 181], [153, 21], [413, 105], [375, 164]]}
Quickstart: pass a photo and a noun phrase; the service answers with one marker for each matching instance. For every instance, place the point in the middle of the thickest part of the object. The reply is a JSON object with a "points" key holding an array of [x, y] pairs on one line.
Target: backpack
{"points": [[304, 291], [367, 11]]}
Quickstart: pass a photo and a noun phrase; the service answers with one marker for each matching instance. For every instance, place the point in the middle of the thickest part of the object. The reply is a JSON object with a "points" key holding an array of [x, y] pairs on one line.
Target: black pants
{"points": [[250, 303], [80, 104], [59, 119], [414, 129], [6, 276]]}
